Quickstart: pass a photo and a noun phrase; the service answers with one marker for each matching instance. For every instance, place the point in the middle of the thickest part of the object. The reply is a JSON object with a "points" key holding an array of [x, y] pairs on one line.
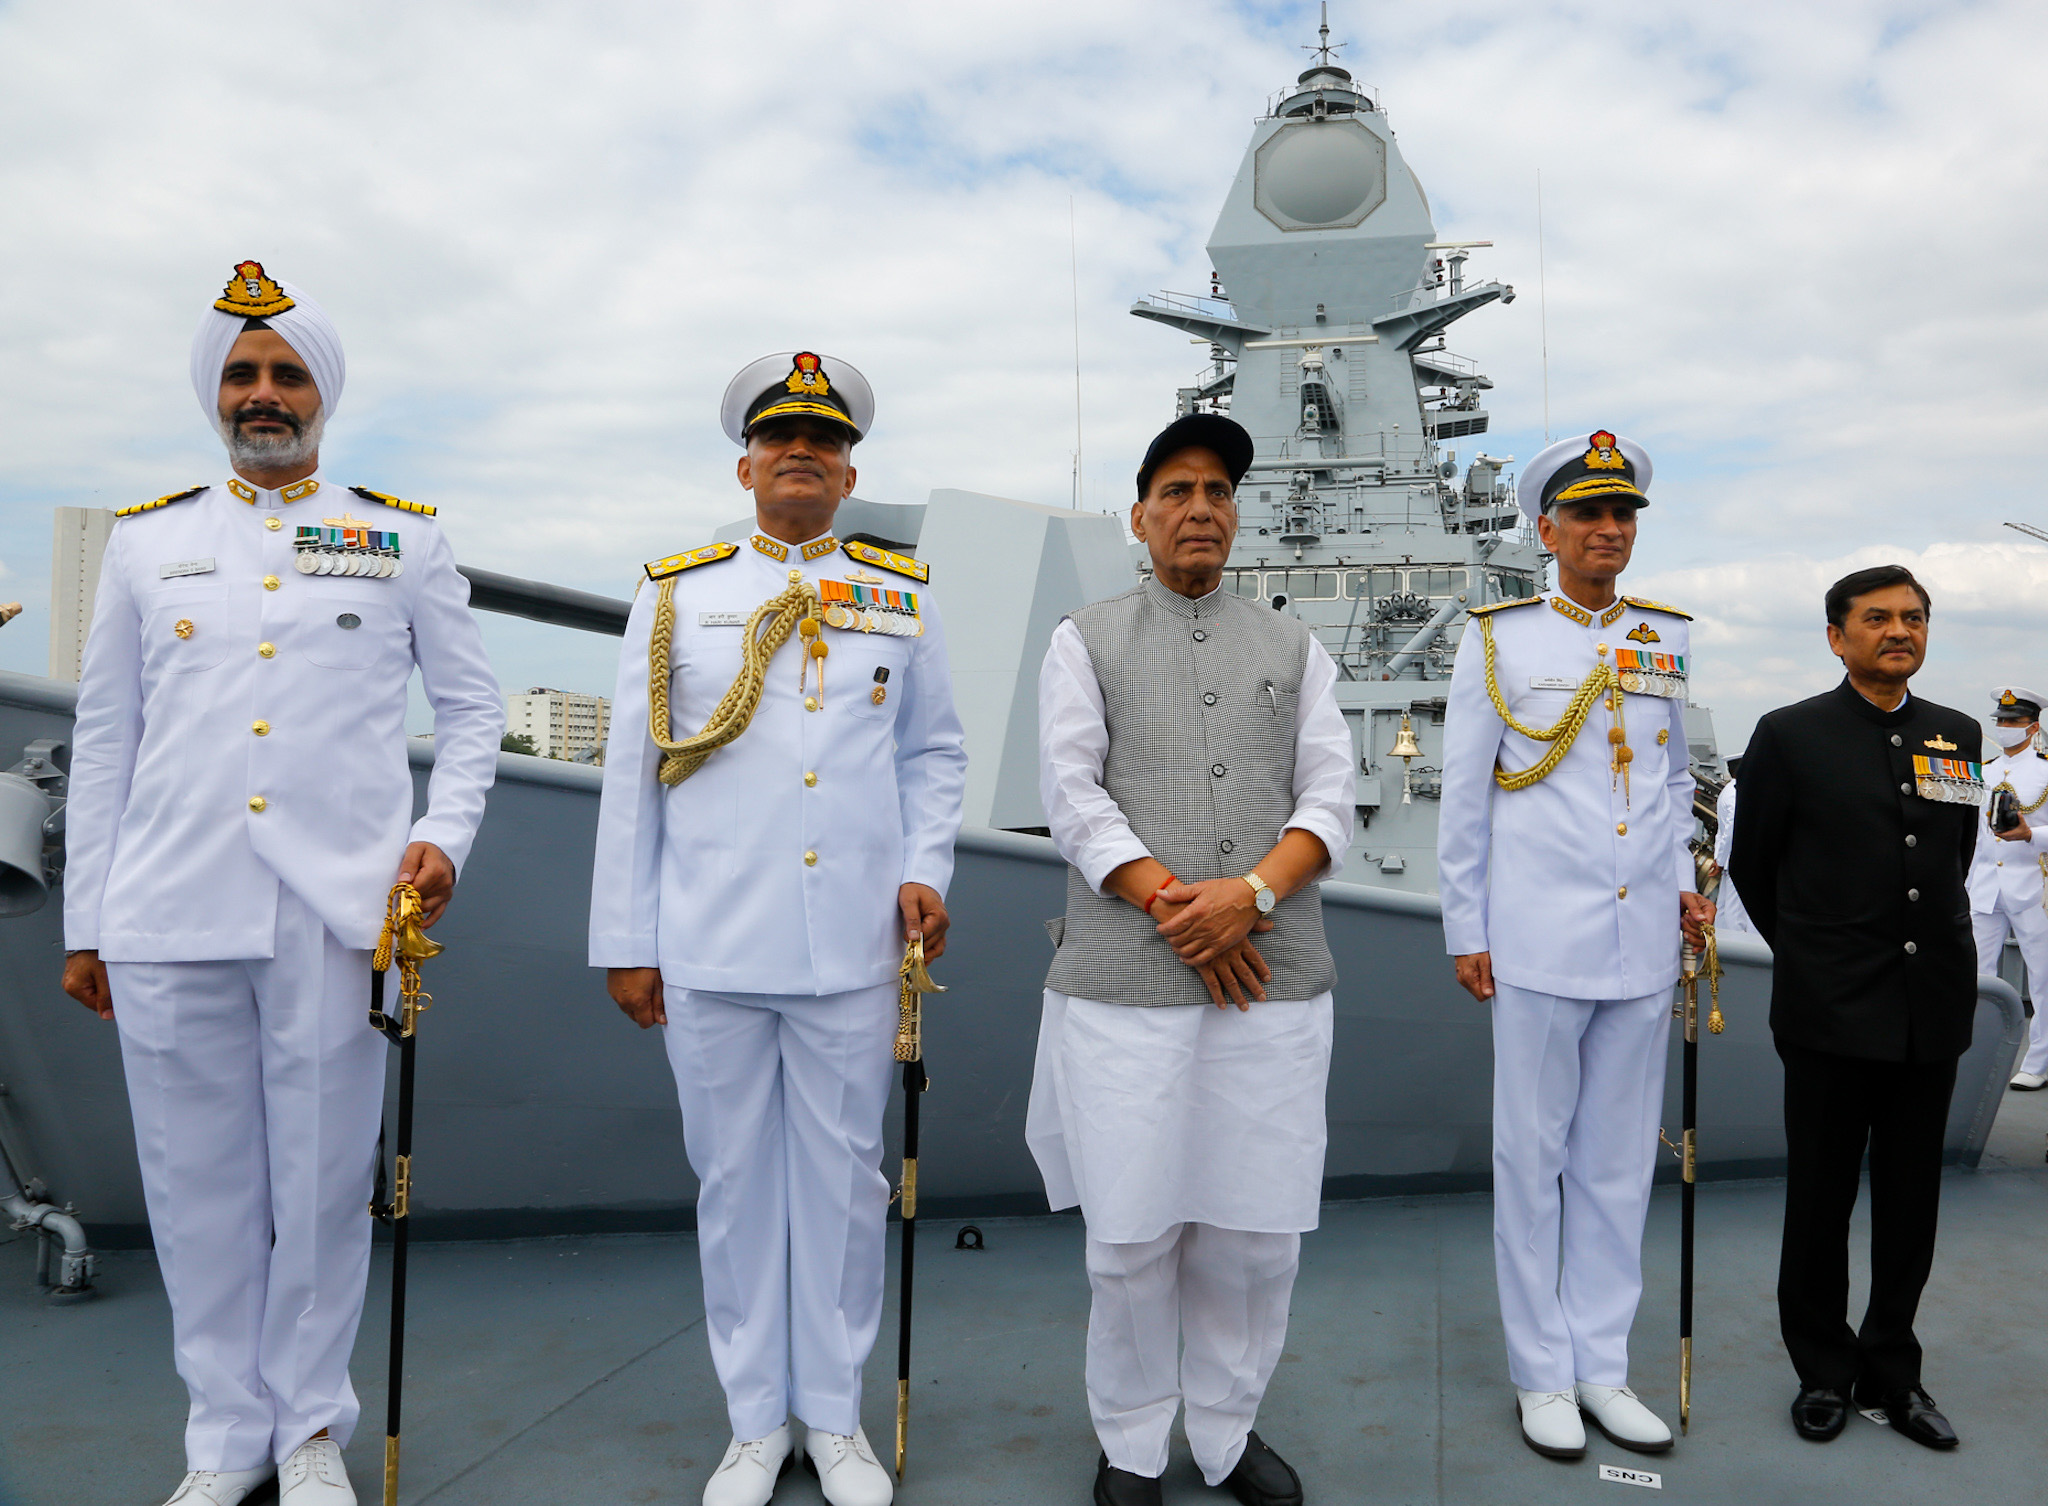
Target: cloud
{"points": [[1788, 247]]}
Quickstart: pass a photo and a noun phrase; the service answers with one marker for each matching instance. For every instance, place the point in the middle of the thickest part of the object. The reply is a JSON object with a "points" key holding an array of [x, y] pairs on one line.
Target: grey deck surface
{"points": [[573, 1370]]}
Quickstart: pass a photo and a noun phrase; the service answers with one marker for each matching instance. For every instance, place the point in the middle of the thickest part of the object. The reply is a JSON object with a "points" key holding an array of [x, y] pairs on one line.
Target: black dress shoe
{"points": [[1820, 1413], [1262, 1478], [1912, 1412], [1119, 1487]]}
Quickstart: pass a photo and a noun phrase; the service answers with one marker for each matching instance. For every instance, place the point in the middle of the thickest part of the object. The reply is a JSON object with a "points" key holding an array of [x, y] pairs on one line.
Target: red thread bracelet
{"points": [[1170, 882]]}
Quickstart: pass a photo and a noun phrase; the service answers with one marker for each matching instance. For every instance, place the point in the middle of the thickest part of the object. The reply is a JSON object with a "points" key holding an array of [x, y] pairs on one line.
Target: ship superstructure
{"points": [[1371, 512]]}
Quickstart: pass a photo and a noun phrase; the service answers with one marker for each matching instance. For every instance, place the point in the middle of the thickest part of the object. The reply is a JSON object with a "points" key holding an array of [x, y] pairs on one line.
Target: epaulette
{"points": [[129, 512], [902, 564], [689, 559], [1502, 606], [1655, 606], [400, 503]]}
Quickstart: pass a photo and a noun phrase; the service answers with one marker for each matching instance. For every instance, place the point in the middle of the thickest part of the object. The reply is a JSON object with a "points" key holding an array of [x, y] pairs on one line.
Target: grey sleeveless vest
{"points": [[1200, 700]]}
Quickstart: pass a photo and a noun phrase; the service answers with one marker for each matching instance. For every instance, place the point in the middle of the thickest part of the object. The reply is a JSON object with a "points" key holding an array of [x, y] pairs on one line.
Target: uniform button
{"points": [[811, 779], [810, 860], [1912, 841], [257, 803], [1622, 892], [810, 703], [273, 524], [1912, 947], [1226, 846], [1912, 894], [1209, 698], [1621, 828], [1905, 789], [1200, 636], [1895, 741], [271, 583], [1218, 770], [268, 650], [261, 729]]}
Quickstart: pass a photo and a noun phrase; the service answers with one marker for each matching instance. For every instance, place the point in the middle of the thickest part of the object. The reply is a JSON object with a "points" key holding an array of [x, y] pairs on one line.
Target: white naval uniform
{"points": [[1729, 914], [235, 824], [1192, 1138], [765, 889], [1572, 885], [2006, 891]]}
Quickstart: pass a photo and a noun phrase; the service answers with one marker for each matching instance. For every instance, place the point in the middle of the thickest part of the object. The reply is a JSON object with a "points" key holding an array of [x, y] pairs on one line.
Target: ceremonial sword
{"points": [[1692, 964], [913, 984], [404, 939]]}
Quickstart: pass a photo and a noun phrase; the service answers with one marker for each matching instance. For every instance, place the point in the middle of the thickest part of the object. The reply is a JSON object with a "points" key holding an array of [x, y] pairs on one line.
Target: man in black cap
{"points": [[1197, 777], [1853, 836]]}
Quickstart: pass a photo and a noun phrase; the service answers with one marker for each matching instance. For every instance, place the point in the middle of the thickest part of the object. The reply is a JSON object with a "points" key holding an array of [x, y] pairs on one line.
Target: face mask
{"points": [[2010, 737]]}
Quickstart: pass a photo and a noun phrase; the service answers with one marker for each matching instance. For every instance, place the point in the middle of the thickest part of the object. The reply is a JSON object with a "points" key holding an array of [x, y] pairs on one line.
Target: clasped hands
{"points": [[1209, 925]]}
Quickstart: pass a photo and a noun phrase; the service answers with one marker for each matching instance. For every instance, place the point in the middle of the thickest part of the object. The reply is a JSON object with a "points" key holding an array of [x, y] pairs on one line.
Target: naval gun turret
{"points": [[1325, 320]]}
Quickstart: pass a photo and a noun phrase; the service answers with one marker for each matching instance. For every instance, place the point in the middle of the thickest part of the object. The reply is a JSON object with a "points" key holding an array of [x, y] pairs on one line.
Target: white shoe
{"points": [[314, 1476], [219, 1487], [2028, 1082], [848, 1472], [1550, 1423], [1617, 1412], [747, 1474]]}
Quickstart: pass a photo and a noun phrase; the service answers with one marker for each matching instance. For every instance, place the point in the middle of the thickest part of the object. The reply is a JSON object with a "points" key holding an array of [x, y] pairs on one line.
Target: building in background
{"points": [[560, 723], [78, 545]]}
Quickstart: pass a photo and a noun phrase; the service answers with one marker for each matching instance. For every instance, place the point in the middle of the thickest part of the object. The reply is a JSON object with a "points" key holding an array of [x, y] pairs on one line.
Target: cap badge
{"points": [[1602, 454], [2008, 699], [251, 294], [807, 376], [1642, 632]]}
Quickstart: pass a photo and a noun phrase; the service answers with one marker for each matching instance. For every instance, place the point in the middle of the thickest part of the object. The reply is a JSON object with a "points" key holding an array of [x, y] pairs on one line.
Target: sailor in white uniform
{"points": [[241, 804], [1562, 857], [1729, 914], [1197, 776], [753, 898], [2006, 872]]}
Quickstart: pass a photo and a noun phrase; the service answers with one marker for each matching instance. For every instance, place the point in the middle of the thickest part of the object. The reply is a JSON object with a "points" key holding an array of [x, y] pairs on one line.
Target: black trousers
{"points": [[1835, 1108]]}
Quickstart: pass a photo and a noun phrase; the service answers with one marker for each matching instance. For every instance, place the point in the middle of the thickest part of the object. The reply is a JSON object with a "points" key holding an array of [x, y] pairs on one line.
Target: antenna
{"points": [[1074, 270], [1326, 47], [1543, 304], [2030, 529]]}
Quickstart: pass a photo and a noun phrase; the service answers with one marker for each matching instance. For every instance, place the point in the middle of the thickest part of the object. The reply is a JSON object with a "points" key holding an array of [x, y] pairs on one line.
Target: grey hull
{"points": [[543, 1110]]}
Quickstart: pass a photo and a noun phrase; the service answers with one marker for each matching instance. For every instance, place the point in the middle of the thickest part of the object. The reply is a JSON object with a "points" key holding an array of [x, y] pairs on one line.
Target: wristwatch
{"points": [[1263, 896]]}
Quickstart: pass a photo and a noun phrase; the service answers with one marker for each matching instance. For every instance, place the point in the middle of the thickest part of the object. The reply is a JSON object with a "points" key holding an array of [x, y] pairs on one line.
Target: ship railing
{"points": [[1193, 303]]}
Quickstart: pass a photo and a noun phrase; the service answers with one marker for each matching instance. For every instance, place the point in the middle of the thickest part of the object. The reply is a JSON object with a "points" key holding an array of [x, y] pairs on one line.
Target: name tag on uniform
{"points": [[184, 567], [721, 619], [1552, 682]]}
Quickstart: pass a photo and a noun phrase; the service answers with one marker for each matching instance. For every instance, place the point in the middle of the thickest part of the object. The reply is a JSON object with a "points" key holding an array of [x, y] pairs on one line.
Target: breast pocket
{"points": [[185, 628], [353, 629], [1263, 711], [870, 669]]}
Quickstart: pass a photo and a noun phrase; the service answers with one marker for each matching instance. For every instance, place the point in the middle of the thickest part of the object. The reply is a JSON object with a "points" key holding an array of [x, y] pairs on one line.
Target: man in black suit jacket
{"points": [[1852, 842]]}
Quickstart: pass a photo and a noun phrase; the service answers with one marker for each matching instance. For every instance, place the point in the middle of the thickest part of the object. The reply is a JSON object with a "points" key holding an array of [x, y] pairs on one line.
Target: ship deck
{"points": [[574, 1369]]}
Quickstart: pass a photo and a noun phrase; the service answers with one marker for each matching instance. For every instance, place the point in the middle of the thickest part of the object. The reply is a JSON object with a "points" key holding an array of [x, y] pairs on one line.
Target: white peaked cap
{"points": [[301, 322], [1583, 467], [797, 382], [2005, 697]]}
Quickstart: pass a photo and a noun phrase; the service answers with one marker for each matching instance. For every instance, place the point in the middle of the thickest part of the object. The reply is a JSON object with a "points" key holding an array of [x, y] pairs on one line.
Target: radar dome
{"points": [[1318, 174]]}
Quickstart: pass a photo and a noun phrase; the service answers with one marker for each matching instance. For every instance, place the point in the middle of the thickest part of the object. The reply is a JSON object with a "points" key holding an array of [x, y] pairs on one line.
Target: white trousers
{"points": [[782, 1116], [256, 1088], [1212, 1300], [2028, 922], [1578, 1091]]}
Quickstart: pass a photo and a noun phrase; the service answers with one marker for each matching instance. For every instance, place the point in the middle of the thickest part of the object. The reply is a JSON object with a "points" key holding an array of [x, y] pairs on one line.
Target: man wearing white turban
{"points": [[241, 804]]}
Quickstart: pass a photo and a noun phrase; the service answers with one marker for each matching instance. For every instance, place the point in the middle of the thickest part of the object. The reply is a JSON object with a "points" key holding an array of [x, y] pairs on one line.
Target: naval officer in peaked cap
{"points": [[782, 788], [241, 804], [2006, 872], [1563, 860]]}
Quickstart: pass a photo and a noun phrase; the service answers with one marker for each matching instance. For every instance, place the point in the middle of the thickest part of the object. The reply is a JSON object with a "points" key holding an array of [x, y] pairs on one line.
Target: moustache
{"points": [[260, 414]]}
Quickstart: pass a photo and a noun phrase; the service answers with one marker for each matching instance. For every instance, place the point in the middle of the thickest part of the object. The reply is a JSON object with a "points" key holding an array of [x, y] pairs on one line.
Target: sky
{"points": [[1793, 248]]}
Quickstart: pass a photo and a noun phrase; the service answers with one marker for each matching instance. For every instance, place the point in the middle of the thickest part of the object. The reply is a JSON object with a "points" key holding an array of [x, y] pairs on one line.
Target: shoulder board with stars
{"points": [[400, 503], [1655, 606], [129, 512], [690, 559], [902, 564], [1502, 606]]}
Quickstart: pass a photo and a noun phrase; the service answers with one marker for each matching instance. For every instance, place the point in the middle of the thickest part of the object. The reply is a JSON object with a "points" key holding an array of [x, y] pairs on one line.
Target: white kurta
{"points": [[1729, 914], [1129, 1106], [169, 856]]}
